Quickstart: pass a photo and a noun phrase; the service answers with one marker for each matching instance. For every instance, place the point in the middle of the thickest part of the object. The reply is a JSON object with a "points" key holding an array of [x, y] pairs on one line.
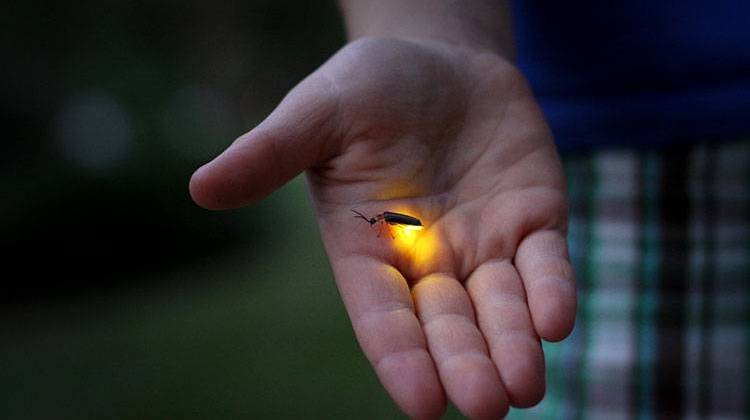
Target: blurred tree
{"points": [[108, 107]]}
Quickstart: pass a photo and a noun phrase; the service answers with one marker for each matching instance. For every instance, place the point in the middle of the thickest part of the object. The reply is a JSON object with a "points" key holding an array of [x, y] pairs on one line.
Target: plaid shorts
{"points": [[661, 245]]}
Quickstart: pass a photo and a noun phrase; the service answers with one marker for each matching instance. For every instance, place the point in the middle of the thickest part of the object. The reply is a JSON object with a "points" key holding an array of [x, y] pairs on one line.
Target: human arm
{"points": [[478, 24]]}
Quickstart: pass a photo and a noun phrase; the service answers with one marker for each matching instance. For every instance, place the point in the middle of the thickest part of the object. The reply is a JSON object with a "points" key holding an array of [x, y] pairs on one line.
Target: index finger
{"points": [[381, 310]]}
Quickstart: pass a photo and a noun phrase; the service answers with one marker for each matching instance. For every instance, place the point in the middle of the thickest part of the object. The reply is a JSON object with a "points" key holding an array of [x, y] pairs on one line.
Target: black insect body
{"points": [[389, 218]]}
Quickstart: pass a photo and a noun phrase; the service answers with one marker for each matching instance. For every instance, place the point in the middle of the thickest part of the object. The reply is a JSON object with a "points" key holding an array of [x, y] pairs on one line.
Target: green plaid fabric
{"points": [[661, 244]]}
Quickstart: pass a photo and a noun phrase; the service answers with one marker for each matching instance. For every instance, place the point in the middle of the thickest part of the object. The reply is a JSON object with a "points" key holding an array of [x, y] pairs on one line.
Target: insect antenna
{"points": [[360, 215]]}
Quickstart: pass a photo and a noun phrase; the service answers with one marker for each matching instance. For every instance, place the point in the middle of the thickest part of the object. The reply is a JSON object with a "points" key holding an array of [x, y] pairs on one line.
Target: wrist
{"points": [[478, 25]]}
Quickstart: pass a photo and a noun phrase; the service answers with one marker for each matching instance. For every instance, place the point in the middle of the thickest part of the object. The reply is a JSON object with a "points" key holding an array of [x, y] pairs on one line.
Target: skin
{"points": [[449, 132]]}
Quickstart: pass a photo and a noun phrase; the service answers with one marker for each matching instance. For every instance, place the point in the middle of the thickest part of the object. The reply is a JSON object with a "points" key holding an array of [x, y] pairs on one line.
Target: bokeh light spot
{"points": [[94, 131]]}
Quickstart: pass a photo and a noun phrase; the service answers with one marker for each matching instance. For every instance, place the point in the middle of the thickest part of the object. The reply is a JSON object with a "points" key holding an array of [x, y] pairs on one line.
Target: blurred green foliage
{"points": [[125, 299], [109, 107], [122, 299], [253, 333]]}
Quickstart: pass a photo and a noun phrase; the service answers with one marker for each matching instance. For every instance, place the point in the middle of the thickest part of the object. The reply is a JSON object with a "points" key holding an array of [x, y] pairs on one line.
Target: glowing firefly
{"points": [[409, 224]]}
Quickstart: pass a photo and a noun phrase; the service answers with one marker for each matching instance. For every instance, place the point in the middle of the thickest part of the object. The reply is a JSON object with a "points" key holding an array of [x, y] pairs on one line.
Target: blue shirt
{"points": [[637, 72]]}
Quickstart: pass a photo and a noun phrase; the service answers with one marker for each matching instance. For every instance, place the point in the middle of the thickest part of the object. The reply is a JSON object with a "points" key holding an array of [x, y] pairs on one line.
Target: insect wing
{"points": [[401, 219]]}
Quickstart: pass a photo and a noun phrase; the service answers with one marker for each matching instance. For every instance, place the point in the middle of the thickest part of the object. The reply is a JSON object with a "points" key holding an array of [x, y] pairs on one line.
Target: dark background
{"points": [[120, 297]]}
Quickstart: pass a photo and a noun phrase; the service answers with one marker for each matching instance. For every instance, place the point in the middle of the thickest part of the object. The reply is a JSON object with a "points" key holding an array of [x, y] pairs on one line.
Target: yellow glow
{"points": [[406, 235], [417, 243], [400, 189], [426, 250]]}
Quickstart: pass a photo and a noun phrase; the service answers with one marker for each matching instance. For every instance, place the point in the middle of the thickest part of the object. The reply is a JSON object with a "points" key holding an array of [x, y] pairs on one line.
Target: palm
{"points": [[454, 138]]}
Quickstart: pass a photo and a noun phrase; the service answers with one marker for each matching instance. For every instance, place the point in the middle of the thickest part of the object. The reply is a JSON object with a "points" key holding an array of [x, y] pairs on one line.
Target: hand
{"points": [[454, 137]]}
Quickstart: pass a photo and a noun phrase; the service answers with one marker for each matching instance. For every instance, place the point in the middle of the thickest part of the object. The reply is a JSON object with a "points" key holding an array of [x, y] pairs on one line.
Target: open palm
{"points": [[453, 137]]}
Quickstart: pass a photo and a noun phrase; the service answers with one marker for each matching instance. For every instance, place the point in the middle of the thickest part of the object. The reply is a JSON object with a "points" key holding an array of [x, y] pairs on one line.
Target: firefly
{"points": [[390, 218]]}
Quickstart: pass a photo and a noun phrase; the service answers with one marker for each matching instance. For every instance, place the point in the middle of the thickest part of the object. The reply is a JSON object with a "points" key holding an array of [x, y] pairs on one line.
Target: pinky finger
{"points": [[543, 263]]}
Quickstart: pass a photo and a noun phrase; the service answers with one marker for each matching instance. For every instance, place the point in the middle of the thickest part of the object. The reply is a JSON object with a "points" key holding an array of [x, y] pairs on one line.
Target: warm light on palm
{"points": [[454, 138]]}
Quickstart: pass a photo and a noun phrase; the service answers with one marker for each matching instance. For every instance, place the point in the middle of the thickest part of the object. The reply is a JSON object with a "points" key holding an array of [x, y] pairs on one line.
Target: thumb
{"points": [[293, 138]]}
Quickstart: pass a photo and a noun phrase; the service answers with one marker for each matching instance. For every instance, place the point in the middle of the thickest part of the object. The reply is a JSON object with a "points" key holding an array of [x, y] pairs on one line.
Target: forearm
{"points": [[479, 24]]}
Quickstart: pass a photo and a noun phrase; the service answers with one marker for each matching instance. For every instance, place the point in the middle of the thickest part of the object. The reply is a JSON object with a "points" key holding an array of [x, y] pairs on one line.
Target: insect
{"points": [[389, 218]]}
